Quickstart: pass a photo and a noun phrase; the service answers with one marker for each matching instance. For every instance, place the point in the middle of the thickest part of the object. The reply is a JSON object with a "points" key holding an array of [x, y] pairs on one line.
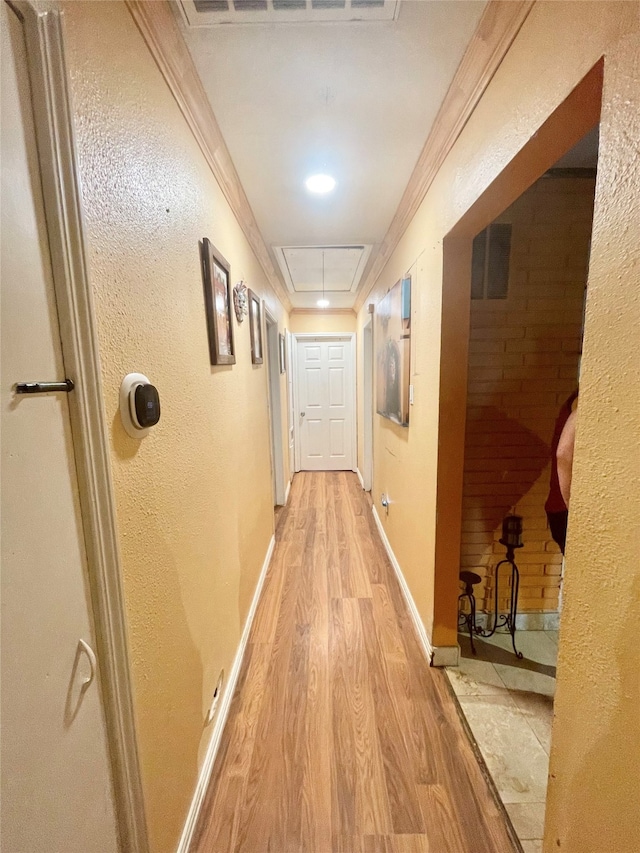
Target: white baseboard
{"points": [[286, 493], [360, 477], [221, 718], [436, 655]]}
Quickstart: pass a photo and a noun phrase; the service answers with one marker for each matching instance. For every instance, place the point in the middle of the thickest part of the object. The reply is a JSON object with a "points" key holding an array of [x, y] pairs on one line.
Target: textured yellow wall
{"points": [[595, 785], [322, 322], [194, 498], [405, 458]]}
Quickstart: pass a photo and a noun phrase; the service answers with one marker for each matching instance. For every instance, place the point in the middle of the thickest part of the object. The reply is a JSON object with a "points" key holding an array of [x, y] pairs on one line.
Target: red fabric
{"points": [[555, 501]]}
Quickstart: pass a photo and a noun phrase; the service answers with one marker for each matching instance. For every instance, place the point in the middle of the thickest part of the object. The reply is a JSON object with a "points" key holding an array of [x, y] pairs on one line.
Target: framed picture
{"points": [[217, 299], [393, 349], [283, 354], [255, 324]]}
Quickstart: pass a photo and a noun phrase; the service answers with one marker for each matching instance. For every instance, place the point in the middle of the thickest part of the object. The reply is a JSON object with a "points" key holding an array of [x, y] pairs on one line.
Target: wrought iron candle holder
{"points": [[511, 539], [468, 620]]}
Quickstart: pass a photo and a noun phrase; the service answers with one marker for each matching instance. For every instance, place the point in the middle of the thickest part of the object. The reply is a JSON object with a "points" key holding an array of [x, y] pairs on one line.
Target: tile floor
{"points": [[508, 704]]}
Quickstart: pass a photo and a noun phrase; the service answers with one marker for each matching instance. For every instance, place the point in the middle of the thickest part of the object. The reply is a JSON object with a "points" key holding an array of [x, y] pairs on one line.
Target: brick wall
{"points": [[523, 364]]}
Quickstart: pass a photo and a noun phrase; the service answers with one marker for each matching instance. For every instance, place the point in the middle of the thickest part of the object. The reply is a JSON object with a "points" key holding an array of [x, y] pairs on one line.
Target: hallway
{"points": [[340, 737]]}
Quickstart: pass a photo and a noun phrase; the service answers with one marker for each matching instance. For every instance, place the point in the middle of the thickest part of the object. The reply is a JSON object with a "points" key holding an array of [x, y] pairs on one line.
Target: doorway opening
{"points": [[526, 308], [526, 261], [275, 411], [573, 119]]}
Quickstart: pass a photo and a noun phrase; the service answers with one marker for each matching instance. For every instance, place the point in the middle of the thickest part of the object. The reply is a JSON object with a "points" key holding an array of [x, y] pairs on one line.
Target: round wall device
{"points": [[139, 405]]}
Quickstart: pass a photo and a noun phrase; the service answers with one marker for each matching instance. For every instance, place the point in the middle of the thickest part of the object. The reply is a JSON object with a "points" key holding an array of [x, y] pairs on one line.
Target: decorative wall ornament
{"points": [[240, 301]]}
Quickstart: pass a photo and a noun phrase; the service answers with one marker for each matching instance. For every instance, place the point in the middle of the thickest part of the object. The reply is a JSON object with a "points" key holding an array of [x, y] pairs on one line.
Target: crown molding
{"points": [[499, 25], [162, 35]]}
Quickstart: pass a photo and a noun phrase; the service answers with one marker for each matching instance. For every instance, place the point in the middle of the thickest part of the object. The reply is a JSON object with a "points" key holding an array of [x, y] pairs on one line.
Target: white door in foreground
{"points": [[326, 418], [56, 779]]}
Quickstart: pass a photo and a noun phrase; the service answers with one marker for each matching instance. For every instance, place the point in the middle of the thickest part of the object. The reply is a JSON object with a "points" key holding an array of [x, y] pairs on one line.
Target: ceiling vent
{"points": [[210, 13], [302, 267]]}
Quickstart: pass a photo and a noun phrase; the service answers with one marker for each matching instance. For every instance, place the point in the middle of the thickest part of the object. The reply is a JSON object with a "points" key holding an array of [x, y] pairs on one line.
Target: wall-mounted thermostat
{"points": [[139, 405]]}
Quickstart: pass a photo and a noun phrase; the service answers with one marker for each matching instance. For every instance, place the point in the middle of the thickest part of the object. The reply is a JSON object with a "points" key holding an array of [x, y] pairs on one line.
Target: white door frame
{"points": [[63, 210], [324, 336], [275, 408], [290, 401], [367, 409]]}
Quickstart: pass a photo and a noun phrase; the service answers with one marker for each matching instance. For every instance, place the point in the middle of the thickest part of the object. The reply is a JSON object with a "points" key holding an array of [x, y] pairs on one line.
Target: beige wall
{"points": [[194, 498], [596, 740], [322, 322]]}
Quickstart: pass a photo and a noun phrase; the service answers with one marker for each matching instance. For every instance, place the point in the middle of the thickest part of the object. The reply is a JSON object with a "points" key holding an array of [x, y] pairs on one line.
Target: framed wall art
{"points": [[283, 353], [393, 350], [216, 277], [255, 324]]}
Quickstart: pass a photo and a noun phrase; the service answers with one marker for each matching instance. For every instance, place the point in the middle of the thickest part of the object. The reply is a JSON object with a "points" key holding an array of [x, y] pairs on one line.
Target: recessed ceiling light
{"points": [[320, 184], [323, 303]]}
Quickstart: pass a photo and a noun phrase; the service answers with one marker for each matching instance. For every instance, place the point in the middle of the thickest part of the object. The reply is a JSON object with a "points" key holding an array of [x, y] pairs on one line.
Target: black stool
{"points": [[469, 579]]}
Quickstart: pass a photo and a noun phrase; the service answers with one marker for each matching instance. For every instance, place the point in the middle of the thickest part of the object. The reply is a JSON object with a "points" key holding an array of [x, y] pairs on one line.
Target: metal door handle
{"points": [[302, 414], [86, 648], [44, 387]]}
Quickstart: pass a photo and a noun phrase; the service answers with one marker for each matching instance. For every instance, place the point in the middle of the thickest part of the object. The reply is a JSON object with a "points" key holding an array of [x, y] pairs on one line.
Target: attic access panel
{"points": [[301, 267], [211, 13]]}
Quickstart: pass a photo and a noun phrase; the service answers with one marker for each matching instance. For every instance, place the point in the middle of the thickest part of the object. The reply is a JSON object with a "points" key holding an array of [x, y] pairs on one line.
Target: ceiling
{"points": [[352, 99]]}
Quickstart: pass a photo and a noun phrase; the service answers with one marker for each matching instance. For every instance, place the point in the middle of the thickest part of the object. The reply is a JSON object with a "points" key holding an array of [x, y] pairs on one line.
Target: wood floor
{"points": [[340, 737]]}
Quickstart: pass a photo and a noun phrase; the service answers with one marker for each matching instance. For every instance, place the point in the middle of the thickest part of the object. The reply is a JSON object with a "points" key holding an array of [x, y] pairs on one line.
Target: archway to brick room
{"points": [[515, 274]]}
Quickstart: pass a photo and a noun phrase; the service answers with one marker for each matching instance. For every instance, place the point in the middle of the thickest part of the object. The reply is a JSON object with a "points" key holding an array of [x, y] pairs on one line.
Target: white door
{"points": [[275, 409], [367, 394], [290, 401], [325, 397], [56, 786]]}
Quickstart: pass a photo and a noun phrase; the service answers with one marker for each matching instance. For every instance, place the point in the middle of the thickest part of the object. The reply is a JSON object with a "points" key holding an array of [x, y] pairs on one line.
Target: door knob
{"points": [[302, 414]]}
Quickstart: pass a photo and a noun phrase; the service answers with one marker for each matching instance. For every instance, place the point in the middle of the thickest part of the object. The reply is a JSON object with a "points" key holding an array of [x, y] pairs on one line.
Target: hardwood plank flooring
{"points": [[340, 737]]}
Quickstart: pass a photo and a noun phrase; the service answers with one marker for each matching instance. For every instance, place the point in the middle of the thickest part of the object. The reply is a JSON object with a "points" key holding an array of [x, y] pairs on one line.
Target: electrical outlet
{"points": [[217, 693]]}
